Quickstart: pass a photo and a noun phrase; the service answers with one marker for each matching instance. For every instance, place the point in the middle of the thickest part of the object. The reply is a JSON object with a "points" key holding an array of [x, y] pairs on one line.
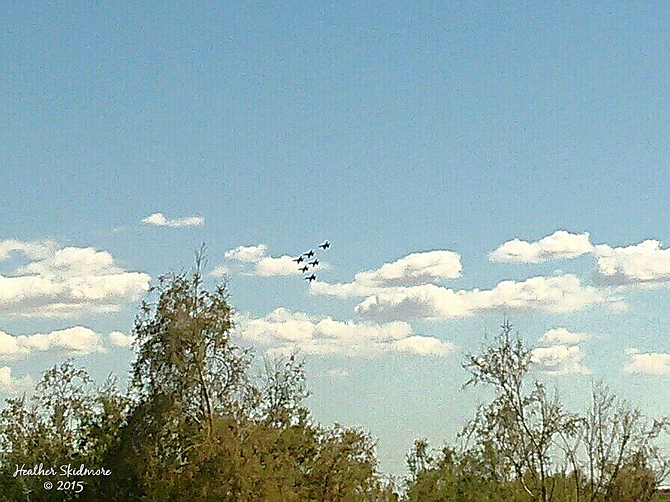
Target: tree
{"points": [[525, 446], [201, 427], [525, 425], [282, 390], [467, 476], [185, 351], [67, 420], [616, 456], [187, 374]]}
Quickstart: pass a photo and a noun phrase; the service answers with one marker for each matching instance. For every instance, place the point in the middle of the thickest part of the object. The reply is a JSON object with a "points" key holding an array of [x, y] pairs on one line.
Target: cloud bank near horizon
{"points": [[283, 332], [67, 282]]}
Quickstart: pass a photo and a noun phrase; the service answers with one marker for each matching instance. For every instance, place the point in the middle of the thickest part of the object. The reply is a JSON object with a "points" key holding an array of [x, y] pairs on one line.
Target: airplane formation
{"points": [[314, 263]]}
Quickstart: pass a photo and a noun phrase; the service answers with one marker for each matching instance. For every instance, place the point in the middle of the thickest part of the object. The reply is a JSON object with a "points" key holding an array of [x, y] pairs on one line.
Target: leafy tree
{"points": [[66, 421], [448, 475], [186, 374], [201, 426], [185, 352]]}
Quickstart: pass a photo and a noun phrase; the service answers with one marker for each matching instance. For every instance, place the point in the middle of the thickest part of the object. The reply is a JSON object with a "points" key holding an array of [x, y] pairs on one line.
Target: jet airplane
{"points": [[309, 253], [314, 263], [299, 259], [304, 269], [311, 278], [325, 245]]}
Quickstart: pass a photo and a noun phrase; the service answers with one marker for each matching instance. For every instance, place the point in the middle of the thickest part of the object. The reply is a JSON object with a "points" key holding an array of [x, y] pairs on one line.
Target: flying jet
{"points": [[299, 259], [314, 263], [309, 253], [304, 269], [311, 278], [325, 245]]}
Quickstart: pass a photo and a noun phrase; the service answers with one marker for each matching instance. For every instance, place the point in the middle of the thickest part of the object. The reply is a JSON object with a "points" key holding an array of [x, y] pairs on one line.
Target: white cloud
{"points": [[157, 219], [263, 264], [283, 265], [405, 289], [422, 346], [121, 339], [220, 271], [285, 331], [337, 373], [563, 356], [559, 336], [71, 261], [33, 250], [538, 294], [645, 263], [67, 282], [560, 360], [559, 245], [647, 363], [414, 269], [343, 290], [77, 340], [11, 385], [250, 254]]}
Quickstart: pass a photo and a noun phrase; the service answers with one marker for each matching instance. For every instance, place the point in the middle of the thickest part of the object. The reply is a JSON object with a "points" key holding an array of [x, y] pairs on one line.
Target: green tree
{"points": [[448, 475], [202, 427], [67, 420], [186, 374]]}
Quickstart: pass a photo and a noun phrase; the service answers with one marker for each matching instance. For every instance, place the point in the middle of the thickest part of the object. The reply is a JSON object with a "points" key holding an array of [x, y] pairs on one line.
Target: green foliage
{"points": [[525, 424], [447, 475], [66, 421], [185, 352], [202, 427], [301, 462]]}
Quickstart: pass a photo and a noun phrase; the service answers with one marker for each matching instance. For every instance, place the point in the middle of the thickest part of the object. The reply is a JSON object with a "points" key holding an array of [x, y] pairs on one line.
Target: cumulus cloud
{"points": [[283, 265], [75, 341], [69, 281], [647, 363], [119, 339], [11, 385], [250, 254], [646, 263], [563, 356], [157, 219], [262, 264], [283, 332], [559, 245], [33, 250], [344, 290], [560, 360], [563, 293], [558, 336], [413, 269]]}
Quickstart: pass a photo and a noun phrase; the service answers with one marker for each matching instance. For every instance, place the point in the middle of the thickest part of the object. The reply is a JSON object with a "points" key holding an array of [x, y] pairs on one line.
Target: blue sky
{"points": [[389, 129]]}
